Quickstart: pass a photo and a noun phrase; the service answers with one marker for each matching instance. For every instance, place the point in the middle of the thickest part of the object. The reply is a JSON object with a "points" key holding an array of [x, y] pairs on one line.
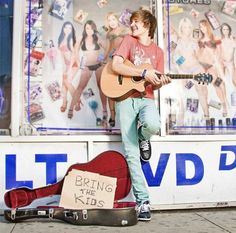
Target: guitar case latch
{"points": [[13, 214], [85, 214], [51, 212]]}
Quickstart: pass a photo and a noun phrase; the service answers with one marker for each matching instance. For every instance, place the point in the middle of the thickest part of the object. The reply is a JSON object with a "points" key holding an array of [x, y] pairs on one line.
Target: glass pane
{"points": [[64, 62], [201, 54]]}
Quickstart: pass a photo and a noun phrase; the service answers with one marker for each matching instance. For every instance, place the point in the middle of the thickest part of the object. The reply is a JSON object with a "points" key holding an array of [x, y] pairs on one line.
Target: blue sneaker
{"points": [[144, 212]]}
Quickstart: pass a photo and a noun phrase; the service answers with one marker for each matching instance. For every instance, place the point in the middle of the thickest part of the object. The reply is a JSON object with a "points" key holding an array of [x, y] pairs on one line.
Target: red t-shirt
{"points": [[137, 53]]}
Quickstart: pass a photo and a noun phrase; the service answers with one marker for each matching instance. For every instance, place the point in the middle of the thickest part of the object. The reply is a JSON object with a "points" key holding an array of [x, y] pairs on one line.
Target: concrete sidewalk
{"points": [[194, 221]]}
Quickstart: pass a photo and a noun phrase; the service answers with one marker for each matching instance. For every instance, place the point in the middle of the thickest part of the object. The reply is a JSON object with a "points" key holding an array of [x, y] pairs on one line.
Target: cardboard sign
{"points": [[87, 190]]}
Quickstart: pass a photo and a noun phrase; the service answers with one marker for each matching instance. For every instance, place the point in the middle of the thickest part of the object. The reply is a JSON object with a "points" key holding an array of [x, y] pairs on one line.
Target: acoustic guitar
{"points": [[119, 87]]}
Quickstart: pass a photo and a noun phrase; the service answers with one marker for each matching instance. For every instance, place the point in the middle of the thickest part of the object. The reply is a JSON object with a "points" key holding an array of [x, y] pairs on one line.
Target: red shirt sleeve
{"points": [[124, 49]]}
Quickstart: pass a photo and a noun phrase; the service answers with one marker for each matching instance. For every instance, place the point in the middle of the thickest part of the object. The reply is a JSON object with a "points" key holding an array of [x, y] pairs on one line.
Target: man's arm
{"points": [[120, 67], [150, 76]]}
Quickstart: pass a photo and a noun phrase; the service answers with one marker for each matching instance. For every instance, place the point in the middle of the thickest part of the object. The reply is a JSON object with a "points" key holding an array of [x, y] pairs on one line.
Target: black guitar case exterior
{"points": [[125, 216]]}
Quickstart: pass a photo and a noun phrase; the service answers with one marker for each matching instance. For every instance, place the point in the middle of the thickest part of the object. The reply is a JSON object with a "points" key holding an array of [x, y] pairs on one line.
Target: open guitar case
{"points": [[108, 163]]}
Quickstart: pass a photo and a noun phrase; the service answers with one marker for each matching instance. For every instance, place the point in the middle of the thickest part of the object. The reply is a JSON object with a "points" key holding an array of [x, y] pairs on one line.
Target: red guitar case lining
{"points": [[108, 163]]}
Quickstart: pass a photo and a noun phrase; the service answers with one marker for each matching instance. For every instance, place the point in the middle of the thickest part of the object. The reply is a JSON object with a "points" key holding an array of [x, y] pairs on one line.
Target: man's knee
{"points": [[151, 127]]}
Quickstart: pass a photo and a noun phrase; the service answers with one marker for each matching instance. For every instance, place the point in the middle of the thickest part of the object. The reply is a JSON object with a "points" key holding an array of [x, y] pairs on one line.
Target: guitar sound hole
{"points": [[120, 79], [137, 78]]}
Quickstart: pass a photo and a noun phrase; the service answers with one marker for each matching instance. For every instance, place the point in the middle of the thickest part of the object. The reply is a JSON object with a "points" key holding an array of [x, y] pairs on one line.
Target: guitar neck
{"points": [[201, 78], [181, 76]]}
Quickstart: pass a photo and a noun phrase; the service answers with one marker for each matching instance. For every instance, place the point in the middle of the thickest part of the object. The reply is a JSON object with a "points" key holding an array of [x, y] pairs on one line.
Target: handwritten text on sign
{"points": [[82, 189]]}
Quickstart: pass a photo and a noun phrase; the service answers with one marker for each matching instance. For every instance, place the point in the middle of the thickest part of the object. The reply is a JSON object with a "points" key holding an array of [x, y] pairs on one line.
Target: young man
{"points": [[138, 114]]}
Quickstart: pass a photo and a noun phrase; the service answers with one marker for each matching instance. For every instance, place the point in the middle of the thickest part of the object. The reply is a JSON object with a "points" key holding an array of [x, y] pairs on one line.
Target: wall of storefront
{"points": [[191, 167], [182, 173]]}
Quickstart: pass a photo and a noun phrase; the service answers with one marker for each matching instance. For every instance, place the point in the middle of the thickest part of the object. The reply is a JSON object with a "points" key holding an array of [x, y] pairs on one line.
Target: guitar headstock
{"points": [[203, 78]]}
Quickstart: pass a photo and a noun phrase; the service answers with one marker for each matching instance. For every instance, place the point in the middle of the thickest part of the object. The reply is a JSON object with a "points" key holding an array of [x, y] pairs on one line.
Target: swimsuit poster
{"points": [[200, 52], [67, 44]]}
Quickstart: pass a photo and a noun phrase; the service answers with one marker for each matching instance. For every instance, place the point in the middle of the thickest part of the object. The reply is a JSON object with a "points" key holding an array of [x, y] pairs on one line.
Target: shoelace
{"points": [[144, 208], [144, 145]]}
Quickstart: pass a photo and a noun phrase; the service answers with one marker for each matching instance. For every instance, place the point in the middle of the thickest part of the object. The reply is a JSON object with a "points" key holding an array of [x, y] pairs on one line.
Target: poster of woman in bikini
{"points": [[199, 39], [75, 43]]}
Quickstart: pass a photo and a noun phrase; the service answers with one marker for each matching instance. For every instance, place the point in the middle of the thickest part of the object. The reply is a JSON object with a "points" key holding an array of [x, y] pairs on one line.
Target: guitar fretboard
{"points": [[179, 76]]}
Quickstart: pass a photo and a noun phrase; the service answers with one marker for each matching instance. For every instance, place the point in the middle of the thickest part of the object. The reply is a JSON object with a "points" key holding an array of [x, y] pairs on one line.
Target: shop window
{"points": [[51, 76], [200, 52]]}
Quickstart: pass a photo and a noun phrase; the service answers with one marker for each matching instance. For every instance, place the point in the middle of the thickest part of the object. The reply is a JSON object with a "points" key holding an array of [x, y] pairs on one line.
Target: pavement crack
{"points": [[213, 223], [13, 228]]}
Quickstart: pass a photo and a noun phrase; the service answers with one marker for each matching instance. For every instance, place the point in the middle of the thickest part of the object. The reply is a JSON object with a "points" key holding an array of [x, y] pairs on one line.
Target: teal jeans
{"points": [[139, 119]]}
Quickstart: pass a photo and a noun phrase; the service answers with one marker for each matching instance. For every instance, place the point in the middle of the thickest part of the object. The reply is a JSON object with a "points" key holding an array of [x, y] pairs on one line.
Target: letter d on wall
{"points": [[181, 178], [223, 158]]}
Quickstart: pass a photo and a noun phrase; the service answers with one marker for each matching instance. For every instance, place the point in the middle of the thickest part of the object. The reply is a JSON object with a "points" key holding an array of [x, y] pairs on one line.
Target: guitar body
{"points": [[119, 87], [108, 163]]}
